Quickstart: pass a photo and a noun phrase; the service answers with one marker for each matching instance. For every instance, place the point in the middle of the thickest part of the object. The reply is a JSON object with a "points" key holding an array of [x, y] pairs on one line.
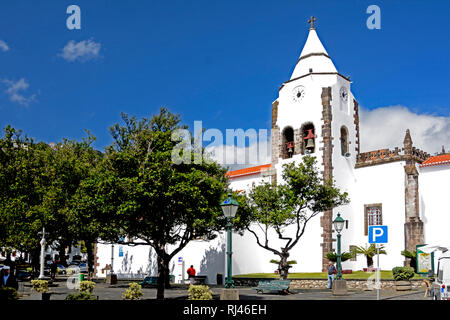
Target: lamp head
{"points": [[339, 223], [229, 206]]}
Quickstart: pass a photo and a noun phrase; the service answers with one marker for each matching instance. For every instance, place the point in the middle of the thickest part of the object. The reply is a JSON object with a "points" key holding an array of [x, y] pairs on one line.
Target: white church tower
{"points": [[316, 114]]}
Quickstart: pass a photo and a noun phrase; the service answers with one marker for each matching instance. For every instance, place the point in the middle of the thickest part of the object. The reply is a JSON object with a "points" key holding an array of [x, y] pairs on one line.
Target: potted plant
{"points": [[84, 292], [134, 292], [199, 292], [7, 293], [41, 286], [402, 276], [369, 252]]}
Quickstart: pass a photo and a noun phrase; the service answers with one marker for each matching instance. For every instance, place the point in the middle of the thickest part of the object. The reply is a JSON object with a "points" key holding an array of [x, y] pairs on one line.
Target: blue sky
{"points": [[215, 61]]}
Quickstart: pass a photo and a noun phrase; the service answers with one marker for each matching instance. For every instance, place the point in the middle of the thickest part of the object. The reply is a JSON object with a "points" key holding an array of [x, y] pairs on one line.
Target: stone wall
{"points": [[327, 218], [354, 284]]}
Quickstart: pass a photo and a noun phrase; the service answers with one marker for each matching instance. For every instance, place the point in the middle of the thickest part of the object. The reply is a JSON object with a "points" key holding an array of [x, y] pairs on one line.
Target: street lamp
{"points": [[338, 226], [229, 207], [42, 243]]}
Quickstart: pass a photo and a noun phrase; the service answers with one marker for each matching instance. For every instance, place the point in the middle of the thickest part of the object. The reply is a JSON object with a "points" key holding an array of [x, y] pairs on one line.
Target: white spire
{"points": [[314, 58]]}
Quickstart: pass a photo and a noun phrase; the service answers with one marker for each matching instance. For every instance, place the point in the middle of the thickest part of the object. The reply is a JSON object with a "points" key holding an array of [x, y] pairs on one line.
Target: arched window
{"points": [[344, 141], [309, 138], [288, 143]]}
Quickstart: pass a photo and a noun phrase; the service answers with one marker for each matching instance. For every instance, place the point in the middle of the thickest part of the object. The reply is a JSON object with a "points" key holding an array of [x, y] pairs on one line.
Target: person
{"points": [[7, 279], [53, 269], [331, 272], [191, 274]]}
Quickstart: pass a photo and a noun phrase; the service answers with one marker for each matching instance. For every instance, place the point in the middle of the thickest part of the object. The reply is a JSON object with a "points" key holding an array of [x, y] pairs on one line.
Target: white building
{"points": [[316, 113]]}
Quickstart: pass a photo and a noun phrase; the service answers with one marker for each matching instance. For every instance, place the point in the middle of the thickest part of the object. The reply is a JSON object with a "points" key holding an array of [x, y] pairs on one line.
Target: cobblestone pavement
{"points": [[106, 292]]}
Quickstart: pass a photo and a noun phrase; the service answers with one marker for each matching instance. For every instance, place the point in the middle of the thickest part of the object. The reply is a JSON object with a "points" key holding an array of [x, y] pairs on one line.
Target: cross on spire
{"points": [[311, 22]]}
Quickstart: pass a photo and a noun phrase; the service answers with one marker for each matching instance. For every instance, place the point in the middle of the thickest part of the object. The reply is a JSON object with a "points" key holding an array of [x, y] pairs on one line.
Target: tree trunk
{"points": [[35, 260], [161, 277], [90, 258], [62, 254], [369, 262], [167, 274], [283, 267]]}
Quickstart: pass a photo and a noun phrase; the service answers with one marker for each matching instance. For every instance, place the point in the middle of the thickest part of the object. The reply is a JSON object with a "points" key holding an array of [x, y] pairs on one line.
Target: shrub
{"points": [[82, 295], [332, 256], [7, 293], [87, 286], [199, 293], [402, 273], [134, 292], [40, 285], [278, 262]]}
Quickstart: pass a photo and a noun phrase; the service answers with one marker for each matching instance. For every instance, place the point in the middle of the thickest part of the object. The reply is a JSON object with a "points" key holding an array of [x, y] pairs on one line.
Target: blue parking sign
{"points": [[378, 234]]}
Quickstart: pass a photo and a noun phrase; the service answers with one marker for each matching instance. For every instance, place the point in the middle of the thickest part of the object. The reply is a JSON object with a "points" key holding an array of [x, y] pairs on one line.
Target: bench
{"points": [[273, 285], [154, 280], [200, 279]]}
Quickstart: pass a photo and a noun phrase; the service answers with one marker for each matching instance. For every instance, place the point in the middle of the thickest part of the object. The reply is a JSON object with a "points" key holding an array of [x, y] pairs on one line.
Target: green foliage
{"points": [[87, 286], [134, 292], [8, 293], [40, 285], [84, 292], [293, 204], [81, 295], [402, 273], [142, 194], [332, 256], [288, 262], [368, 251], [408, 254], [199, 292]]}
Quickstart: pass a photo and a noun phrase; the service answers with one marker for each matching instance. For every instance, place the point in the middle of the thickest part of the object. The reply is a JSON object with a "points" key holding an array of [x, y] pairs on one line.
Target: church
{"points": [[316, 113]]}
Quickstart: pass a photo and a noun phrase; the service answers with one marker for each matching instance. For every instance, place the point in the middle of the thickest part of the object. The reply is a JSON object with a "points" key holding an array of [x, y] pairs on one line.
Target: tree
{"points": [[290, 205], [332, 256], [22, 181], [369, 252], [153, 201]]}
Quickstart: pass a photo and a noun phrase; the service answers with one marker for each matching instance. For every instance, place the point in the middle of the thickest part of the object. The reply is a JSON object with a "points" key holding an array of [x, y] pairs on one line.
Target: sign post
{"points": [[378, 235]]}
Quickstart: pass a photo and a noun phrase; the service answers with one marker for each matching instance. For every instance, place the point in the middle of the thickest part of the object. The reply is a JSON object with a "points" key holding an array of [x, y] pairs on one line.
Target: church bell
{"points": [[310, 141]]}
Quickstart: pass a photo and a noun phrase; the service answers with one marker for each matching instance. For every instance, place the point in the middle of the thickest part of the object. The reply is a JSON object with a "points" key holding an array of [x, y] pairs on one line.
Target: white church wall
{"points": [[434, 202], [385, 184], [207, 257]]}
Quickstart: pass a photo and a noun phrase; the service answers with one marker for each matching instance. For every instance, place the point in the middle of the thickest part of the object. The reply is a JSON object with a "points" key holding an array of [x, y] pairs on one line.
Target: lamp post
{"points": [[43, 243], [229, 207], [338, 226]]}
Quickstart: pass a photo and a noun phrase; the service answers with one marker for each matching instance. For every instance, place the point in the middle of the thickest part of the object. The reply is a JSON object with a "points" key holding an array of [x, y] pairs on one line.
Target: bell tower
{"points": [[316, 114]]}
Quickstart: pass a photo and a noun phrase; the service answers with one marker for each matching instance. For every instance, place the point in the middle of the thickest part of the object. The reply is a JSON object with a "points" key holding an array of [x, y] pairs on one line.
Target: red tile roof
{"points": [[436, 160], [247, 171]]}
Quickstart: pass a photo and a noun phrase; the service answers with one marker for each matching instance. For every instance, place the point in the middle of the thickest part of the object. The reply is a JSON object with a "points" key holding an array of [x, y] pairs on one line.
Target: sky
{"points": [[219, 62]]}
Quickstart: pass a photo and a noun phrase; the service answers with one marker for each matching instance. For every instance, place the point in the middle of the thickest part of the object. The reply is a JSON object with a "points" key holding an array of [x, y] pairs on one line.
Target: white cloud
{"points": [[14, 91], [386, 127], [379, 129], [235, 157], [82, 51], [3, 46]]}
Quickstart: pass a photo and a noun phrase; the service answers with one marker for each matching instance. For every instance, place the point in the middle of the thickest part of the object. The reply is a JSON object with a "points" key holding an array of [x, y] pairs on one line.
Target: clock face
{"points": [[298, 93], [344, 94]]}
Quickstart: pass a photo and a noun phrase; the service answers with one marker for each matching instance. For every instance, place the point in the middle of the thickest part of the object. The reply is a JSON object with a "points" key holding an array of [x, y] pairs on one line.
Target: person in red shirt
{"points": [[191, 274]]}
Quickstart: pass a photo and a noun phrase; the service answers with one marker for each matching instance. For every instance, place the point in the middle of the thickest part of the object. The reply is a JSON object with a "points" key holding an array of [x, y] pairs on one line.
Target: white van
{"points": [[440, 289]]}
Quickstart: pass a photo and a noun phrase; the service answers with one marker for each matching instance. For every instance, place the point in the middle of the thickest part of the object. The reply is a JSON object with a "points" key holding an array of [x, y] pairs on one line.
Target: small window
{"points": [[288, 146], [372, 216], [309, 138], [344, 141]]}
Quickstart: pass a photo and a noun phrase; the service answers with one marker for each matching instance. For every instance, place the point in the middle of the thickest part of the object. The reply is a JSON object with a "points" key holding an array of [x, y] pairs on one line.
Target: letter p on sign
{"points": [[378, 234]]}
